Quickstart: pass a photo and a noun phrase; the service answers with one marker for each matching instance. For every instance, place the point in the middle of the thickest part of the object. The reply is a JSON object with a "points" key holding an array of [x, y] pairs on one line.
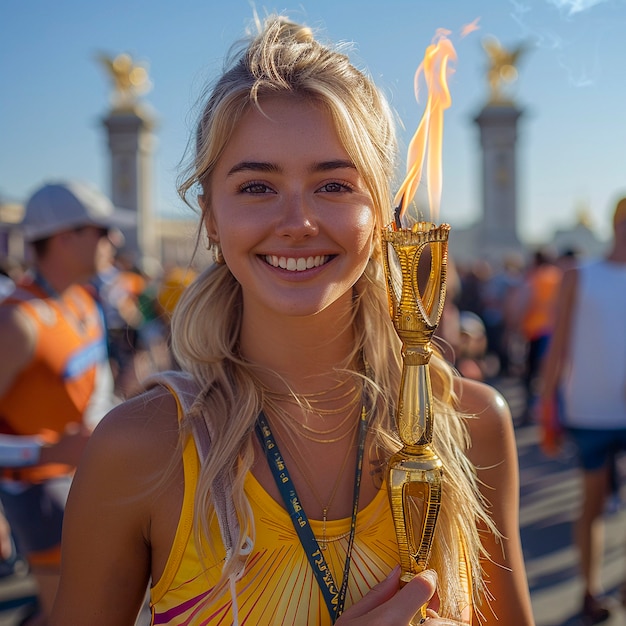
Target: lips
{"points": [[296, 264]]}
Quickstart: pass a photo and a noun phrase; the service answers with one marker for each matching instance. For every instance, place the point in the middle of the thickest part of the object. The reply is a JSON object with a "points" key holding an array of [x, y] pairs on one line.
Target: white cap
{"points": [[62, 206]]}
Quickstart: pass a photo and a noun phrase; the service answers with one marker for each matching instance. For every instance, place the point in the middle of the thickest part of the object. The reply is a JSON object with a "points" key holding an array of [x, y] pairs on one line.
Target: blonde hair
{"points": [[286, 59]]}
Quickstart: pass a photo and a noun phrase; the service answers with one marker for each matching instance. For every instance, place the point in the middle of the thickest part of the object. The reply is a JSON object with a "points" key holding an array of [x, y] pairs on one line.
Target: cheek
{"points": [[233, 231], [365, 235]]}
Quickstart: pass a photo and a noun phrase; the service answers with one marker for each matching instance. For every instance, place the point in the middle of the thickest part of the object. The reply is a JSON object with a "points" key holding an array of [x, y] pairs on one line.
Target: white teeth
{"points": [[293, 264]]}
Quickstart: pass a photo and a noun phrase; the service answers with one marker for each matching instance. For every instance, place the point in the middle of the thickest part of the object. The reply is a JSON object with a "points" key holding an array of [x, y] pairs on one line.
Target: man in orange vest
{"points": [[55, 380]]}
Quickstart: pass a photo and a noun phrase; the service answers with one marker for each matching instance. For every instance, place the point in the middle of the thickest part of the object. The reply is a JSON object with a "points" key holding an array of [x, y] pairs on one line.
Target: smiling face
{"points": [[290, 211]]}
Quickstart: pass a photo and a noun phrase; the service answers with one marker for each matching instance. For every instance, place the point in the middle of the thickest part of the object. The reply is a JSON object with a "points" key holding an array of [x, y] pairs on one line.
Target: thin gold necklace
{"points": [[312, 403], [325, 508], [315, 401], [316, 404], [328, 540], [305, 431]]}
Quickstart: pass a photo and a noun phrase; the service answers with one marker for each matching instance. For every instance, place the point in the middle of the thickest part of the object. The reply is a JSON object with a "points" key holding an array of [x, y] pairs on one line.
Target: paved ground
{"points": [[549, 500]]}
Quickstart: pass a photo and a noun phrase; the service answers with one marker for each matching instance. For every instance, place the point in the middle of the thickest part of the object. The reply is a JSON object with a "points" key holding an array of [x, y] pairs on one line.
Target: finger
{"points": [[406, 603], [418, 591], [433, 619]]}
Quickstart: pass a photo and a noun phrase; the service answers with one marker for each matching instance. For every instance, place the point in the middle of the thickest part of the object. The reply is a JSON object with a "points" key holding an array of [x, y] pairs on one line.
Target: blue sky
{"points": [[572, 88]]}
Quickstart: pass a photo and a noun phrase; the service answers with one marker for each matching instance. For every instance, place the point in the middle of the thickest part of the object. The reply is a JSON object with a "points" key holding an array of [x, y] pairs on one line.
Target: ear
{"points": [[208, 218]]}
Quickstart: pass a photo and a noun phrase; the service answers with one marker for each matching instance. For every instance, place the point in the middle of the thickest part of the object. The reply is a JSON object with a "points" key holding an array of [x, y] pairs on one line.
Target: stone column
{"points": [[498, 139], [131, 145]]}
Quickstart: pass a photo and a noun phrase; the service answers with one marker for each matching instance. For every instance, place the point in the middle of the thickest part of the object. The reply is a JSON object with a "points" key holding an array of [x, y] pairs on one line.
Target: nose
{"points": [[298, 218]]}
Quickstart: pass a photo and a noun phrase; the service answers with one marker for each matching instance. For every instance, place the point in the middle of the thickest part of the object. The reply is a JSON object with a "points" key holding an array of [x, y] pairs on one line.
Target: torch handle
{"points": [[414, 415]]}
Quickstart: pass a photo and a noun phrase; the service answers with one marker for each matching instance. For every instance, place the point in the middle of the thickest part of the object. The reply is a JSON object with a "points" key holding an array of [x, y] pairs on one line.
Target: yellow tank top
{"points": [[278, 586]]}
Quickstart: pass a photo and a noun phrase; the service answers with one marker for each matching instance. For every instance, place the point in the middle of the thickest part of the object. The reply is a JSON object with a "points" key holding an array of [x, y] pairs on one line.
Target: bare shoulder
{"points": [[147, 420], [489, 422], [138, 436], [483, 401]]}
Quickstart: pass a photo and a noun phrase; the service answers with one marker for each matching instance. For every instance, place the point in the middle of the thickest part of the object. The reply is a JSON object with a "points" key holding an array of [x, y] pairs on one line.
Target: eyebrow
{"points": [[263, 166], [254, 166], [337, 164]]}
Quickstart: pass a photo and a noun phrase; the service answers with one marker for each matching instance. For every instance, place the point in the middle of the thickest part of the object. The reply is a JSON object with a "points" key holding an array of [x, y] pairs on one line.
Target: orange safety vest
{"points": [[55, 388], [543, 285]]}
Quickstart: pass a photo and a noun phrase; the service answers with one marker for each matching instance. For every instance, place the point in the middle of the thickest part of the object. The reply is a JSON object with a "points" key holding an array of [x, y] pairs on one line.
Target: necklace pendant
{"points": [[323, 545]]}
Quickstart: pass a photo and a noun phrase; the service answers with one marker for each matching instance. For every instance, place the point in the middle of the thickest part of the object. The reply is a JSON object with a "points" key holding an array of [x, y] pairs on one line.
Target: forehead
{"points": [[275, 123], [274, 108]]}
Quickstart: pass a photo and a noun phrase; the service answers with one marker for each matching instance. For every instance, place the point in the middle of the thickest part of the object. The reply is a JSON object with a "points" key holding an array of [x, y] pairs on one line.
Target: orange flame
{"points": [[426, 144], [470, 28]]}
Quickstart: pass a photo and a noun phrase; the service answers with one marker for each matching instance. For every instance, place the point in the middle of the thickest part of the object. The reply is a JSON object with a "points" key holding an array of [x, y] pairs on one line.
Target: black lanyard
{"points": [[335, 598]]}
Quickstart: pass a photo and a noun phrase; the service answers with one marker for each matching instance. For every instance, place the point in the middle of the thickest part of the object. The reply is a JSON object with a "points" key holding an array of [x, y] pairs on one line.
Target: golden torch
{"points": [[416, 300]]}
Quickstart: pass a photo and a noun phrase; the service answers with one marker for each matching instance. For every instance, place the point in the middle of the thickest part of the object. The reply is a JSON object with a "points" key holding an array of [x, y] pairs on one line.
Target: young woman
{"points": [[293, 368]]}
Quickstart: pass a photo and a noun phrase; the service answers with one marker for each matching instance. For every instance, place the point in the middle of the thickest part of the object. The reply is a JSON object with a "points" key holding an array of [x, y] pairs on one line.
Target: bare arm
{"points": [[6, 543], [18, 337], [494, 453], [114, 511]]}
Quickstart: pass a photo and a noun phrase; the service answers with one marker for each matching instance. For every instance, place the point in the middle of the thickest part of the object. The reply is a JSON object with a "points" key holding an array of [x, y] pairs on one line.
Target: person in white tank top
{"points": [[586, 368]]}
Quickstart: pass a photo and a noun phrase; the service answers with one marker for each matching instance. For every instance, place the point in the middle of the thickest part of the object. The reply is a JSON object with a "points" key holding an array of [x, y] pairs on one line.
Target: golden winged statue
{"points": [[502, 68], [130, 79]]}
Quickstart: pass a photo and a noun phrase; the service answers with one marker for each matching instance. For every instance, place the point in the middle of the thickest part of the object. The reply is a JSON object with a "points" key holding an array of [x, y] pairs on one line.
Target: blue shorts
{"points": [[595, 447], [35, 513]]}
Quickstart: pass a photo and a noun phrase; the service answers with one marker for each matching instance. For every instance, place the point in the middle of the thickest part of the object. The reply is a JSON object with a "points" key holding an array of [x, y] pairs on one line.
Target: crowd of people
{"points": [[555, 322], [285, 342]]}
